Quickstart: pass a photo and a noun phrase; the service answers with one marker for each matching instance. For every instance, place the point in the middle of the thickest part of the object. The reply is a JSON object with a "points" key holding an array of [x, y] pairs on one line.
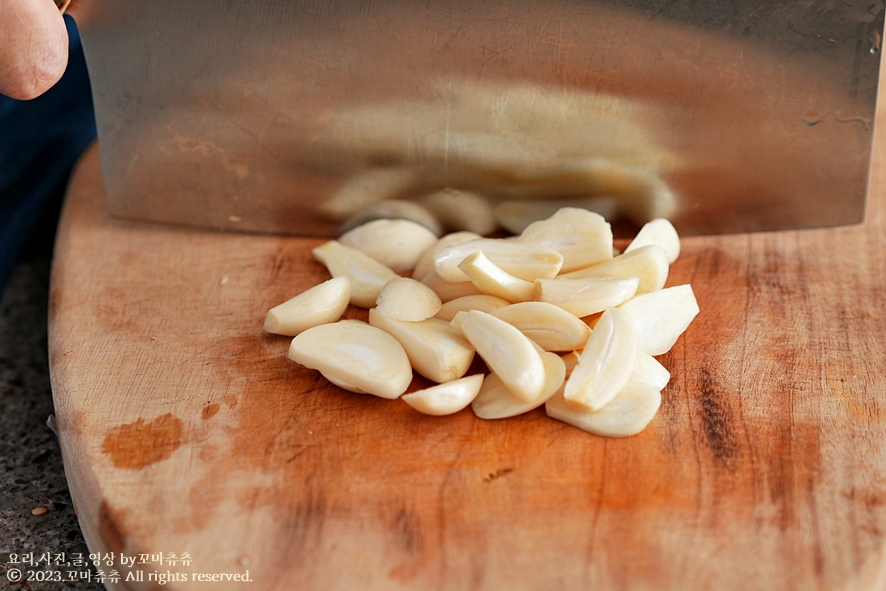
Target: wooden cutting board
{"points": [[185, 429]]}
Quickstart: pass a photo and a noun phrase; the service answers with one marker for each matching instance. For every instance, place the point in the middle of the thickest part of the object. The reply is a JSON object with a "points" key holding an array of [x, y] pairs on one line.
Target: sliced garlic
{"points": [[583, 237], [367, 275], [507, 352], [355, 356], [445, 399], [650, 372], [606, 363], [425, 265], [318, 305], [493, 280], [482, 302], [549, 326], [366, 189], [407, 299], [395, 243], [628, 414], [436, 350], [526, 260], [659, 232], [587, 296], [391, 209], [495, 400], [661, 317], [460, 210], [515, 216], [449, 290], [648, 263]]}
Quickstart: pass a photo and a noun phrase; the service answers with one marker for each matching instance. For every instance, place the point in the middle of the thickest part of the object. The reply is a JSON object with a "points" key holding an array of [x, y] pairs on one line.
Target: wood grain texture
{"points": [[184, 428]]}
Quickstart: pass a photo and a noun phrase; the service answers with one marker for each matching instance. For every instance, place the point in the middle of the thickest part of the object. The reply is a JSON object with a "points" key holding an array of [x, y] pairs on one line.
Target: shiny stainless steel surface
{"points": [[252, 115]]}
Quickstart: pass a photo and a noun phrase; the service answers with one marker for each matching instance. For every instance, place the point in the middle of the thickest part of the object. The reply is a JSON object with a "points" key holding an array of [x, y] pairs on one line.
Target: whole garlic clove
{"points": [[320, 304], [367, 275], [662, 316], [628, 414], [407, 299], [425, 265], [493, 280], [436, 350], [355, 356], [445, 399], [583, 297], [507, 352], [583, 237], [549, 326], [648, 263], [606, 363], [495, 400], [395, 243], [659, 232], [526, 260]]}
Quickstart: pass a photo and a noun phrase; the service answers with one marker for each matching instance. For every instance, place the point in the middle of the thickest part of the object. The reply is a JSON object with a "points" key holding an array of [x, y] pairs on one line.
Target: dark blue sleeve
{"points": [[40, 140]]}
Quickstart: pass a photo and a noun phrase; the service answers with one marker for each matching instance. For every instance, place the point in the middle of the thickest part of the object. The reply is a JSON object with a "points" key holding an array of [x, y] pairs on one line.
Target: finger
{"points": [[33, 47]]}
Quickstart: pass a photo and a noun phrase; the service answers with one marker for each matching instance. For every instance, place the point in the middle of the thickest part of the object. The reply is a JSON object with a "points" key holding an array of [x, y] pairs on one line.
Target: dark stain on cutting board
{"points": [[717, 422], [209, 411], [138, 444]]}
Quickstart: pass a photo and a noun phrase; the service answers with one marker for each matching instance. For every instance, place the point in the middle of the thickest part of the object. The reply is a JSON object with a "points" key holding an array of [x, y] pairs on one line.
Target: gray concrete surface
{"points": [[31, 473]]}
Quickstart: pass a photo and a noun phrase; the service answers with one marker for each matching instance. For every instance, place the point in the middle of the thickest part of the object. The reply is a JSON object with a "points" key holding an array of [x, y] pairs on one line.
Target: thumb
{"points": [[33, 47]]}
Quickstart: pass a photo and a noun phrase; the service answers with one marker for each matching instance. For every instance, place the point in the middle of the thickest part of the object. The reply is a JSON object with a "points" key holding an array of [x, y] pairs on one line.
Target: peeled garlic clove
{"points": [[354, 356], [436, 350], [583, 297], [482, 302], [606, 363], [648, 263], [407, 299], [425, 265], [394, 209], [507, 352], [449, 290], [583, 237], [445, 399], [628, 414], [461, 210], [318, 305], [549, 326], [515, 216], [366, 189], [491, 279], [659, 232], [526, 260], [367, 275], [661, 317], [495, 400], [650, 372], [395, 243]]}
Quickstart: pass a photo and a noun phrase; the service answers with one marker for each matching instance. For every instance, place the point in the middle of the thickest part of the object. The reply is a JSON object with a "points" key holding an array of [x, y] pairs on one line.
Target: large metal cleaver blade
{"points": [[289, 116]]}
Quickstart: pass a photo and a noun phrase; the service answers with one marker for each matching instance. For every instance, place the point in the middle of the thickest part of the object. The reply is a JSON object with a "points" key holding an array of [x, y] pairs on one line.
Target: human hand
{"points": [[33, 47]]}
